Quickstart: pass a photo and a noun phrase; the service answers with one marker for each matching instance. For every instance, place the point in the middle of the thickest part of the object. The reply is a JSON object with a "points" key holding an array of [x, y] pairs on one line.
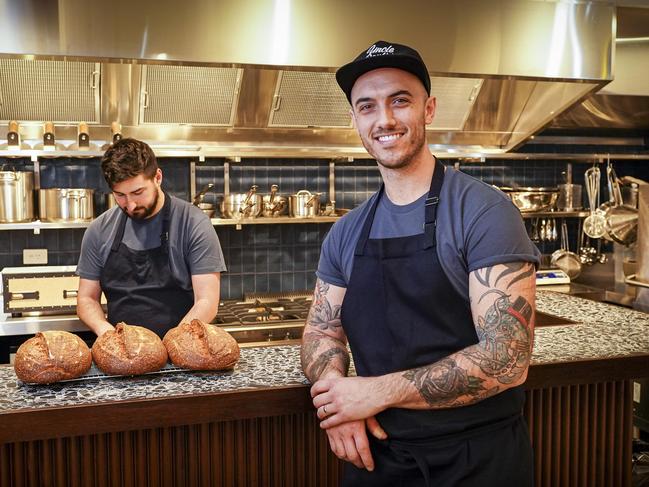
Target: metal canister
{"points": [[569, 197]]}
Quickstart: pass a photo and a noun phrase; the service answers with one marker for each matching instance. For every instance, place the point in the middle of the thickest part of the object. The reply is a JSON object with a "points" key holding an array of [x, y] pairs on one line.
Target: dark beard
{"points": [[148, 210]]}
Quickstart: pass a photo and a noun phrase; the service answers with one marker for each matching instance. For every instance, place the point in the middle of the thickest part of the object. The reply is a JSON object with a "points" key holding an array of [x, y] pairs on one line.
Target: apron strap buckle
{"points": [[430, 201]]}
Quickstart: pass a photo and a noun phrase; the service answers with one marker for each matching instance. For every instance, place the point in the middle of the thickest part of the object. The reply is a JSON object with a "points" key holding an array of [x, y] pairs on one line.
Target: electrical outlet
{"points": [[34, 256]]}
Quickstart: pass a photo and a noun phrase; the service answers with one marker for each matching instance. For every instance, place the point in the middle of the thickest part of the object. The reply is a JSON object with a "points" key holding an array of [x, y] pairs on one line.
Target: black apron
{"points": [[400, 311], [139, 286]]}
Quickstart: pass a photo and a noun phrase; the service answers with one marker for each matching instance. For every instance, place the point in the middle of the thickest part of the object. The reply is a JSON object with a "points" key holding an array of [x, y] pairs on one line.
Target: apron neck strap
{"points": [[164, 235], [430, 219], [367, 226], [432, 201], [166, 211]]}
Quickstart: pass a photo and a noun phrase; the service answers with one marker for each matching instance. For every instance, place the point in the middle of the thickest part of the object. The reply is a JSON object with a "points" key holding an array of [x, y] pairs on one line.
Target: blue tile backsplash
{"points": [[274, 258]]}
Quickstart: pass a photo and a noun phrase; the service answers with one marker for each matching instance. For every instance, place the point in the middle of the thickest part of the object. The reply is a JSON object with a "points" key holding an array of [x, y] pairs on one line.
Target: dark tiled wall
{"points": [[272, 258]]}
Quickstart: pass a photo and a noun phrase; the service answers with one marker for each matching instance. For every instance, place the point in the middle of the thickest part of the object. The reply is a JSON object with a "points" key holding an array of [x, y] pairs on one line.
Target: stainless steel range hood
{"points": [[242, 77]]}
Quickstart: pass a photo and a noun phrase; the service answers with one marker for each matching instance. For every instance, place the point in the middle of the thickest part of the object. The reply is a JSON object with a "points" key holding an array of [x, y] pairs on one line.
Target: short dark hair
{"points": [[126, 159]]}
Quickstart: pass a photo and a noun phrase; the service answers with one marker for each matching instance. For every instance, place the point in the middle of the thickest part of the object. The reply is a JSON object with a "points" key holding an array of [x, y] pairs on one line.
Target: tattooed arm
{"points": [[324, 345], [502, 304], [324, 356]]}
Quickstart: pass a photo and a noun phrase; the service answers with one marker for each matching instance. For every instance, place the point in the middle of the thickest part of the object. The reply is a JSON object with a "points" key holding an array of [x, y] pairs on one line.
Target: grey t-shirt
{"points": [[477, 226], [193, 244]]}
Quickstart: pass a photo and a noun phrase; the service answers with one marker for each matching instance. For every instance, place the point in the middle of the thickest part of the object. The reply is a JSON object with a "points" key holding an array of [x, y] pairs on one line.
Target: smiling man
{"points": [[156, 258], [431, 282]]}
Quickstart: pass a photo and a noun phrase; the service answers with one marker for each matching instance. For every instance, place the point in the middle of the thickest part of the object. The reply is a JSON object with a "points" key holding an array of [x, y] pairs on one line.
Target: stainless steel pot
{"points": [[242, 205], [304, 204], [16, 196], [274, 204], [66, 205]]}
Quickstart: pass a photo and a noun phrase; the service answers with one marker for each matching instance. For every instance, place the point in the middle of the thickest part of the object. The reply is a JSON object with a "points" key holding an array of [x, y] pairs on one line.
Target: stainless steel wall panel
{"points": [[500, 37]]}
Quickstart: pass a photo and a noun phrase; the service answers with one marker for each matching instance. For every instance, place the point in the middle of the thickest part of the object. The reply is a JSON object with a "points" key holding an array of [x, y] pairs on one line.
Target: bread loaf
{"points": [[200, 346], [51, 356], [129, 350]]}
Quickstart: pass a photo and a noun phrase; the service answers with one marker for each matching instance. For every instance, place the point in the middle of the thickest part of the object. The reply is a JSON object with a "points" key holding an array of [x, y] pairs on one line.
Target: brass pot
{"points": [[242, 205], [274, 205], [304, 204]]}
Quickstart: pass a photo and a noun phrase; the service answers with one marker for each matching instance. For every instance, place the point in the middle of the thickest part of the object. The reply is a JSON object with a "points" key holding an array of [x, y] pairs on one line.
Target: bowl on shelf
{"points": [[532, 199]]}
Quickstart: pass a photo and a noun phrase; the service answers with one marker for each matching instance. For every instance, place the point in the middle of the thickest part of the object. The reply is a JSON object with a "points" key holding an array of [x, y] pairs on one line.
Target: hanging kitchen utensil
{"points": [[604, 207], [595, 223], [621, 220], [567, 261]]}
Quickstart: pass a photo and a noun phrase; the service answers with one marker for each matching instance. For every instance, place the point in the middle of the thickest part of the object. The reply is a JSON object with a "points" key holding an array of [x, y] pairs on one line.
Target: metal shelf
{"points": [[339, 154], [271, 221], [38, 225], [555, 214]]}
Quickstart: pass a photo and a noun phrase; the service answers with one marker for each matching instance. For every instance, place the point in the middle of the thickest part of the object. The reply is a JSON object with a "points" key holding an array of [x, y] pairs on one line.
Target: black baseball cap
{"points": [[382, 54]]}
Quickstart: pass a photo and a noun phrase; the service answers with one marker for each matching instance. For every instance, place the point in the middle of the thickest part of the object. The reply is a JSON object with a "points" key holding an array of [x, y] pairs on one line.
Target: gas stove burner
{"points": [[261, 310], [286, 296], [255, 318]]}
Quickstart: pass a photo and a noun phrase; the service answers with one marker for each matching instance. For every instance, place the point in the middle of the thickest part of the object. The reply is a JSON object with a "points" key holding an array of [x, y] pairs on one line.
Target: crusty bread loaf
{"points": [[51, 356], [200, 346], [129, 350]]}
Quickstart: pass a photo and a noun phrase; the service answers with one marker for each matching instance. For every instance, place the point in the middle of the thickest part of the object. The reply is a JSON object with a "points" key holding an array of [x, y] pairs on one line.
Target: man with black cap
{"points": [[432, 283]]}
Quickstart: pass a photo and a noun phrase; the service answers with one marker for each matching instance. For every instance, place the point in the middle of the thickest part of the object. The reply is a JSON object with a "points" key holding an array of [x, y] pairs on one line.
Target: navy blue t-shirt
{"points": [[477, 226]]}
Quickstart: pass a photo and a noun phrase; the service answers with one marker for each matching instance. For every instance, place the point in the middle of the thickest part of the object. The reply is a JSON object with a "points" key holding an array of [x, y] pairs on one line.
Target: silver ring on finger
{"points": [[324, 409]]}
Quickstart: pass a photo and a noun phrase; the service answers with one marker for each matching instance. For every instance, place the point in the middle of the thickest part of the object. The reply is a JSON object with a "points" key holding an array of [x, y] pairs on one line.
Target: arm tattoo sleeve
{"points": [[321, 351], [524, 269], [505, 337], [327, 359], [322, 315], [502, 354], [445, 383]]}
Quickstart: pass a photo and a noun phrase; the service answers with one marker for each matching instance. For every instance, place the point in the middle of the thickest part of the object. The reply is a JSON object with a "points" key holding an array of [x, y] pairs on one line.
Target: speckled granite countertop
{"points": [[603, 331]]}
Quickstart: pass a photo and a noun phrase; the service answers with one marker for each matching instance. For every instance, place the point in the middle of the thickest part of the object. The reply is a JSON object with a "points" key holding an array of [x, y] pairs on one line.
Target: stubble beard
{"points": [[403, 159]]}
